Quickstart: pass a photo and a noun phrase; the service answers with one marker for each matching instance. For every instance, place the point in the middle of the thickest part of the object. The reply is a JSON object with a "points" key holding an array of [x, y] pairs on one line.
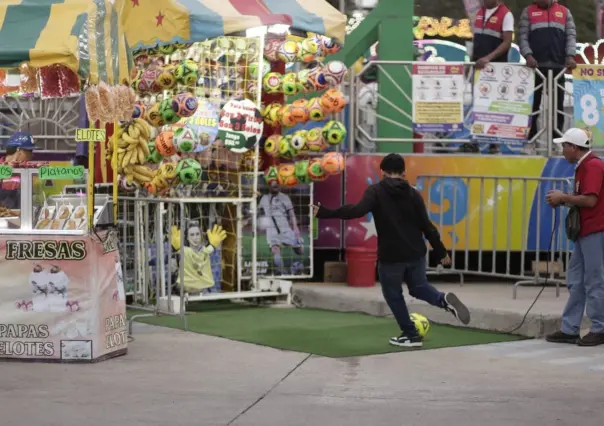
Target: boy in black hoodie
{"points": [[401, 221]]}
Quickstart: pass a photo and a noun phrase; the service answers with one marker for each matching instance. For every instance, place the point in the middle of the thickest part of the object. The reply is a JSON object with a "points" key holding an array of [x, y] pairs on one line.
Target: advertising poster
{"points": [[503, 102], [438, 98], [64, 300], [285, 232], [588, 90], [240, 125], [204, 124]]}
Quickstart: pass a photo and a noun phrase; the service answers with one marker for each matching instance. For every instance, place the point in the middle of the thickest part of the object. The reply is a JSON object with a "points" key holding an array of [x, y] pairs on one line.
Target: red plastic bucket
{"points": [[361, 266]]}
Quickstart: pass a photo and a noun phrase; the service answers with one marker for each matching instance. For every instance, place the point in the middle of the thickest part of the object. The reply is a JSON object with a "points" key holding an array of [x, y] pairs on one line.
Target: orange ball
{"points": [[287, 175], [164, 143], [333, 101], [333, 163]]}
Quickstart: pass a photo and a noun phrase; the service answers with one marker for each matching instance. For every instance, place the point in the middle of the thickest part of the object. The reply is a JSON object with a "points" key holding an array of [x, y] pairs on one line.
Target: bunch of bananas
{"points": [[139, 174], [132, 144]]}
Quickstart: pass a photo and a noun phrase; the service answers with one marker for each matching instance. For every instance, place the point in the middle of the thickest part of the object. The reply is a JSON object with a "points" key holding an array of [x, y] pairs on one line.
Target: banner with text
{"points": [[503, 102], [438, 98], [61, 299], [588, 93]]}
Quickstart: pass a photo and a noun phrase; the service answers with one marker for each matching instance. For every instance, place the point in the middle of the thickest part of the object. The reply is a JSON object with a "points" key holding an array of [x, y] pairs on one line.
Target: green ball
{"points": [[334, 132], [290, 88], [154, 157], [271, 174], [168, 49], [301, 171], [187, 72], [188, 171], [286, 150], [167, 113]]}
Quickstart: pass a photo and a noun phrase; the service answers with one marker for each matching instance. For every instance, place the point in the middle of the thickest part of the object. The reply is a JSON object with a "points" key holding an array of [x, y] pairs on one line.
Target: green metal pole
{"points": [[395, 44]]}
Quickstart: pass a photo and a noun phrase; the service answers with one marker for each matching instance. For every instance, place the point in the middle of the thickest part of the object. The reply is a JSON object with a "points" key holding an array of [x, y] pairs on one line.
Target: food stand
{"points": [[61, 292]]}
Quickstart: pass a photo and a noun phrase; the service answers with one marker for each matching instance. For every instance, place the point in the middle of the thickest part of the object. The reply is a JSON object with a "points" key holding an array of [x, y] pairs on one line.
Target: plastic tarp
{"points": [[84, 35], [149, 23]]}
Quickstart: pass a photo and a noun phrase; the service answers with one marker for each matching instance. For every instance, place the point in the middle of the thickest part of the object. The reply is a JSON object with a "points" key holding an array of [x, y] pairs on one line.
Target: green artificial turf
{"points": [[326, 333]]}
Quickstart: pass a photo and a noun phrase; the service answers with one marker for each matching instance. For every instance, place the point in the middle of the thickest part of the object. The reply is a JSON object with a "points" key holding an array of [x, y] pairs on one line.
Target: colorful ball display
{"points": [[167, 79], [187, 72], [298, 141], [308, 50], [271, 175], [315, 170], [333, 101], [315, 110], [287, 118], [272, 83], [314, 140], [289, 84], [188, 171], [185, 104], [332, 163], [287, 175], [154, 116], [271, 145], [286, 150], [421, 324], [301, 171], [185, 139], [334, 132], [164, 143]]}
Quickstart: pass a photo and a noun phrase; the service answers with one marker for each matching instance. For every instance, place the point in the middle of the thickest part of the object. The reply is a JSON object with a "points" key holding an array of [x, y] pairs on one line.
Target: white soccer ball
{"points": [[334, 73], [263, 223]]}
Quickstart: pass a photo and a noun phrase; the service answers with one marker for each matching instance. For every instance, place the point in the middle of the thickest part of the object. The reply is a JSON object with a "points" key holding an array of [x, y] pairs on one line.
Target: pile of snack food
{"points": [[62, 217]]}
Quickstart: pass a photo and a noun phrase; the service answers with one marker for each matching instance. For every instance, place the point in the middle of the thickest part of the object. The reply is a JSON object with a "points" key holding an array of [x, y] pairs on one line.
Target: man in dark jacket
{"points": [[493, 33], [401, 221], [548, 41]]}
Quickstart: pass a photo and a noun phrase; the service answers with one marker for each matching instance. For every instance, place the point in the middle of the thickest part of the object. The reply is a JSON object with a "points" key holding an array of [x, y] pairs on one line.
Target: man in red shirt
{"points": [[586, 266]]}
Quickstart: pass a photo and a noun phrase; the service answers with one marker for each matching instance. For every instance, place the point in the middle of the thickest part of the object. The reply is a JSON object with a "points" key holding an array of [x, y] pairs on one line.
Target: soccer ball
{"points": [[287, 118], [164, 143], [315, 170], [299, 110], [187, 72], [288, 51], [167, 49], [315, 109], [254, 68], [298, 141], [421, 324], [308, 50], [328, 46], [301, 171], [154, 117], [332, 163], [168, 115], [287, 175], [188, 171], [334, 132], [271, 145], [334, 73], [333, 101], [167, 79], [286, 150], [185, 139], [289, 84], [139, 110], [314, 140], [272, 83], [154, 156], [271, 174], [184, 104], [271, 114]]}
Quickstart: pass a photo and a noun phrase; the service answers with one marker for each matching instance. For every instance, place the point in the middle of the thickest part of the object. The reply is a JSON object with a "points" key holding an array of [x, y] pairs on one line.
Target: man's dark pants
{"points": [[392, 276], [539, 95]]}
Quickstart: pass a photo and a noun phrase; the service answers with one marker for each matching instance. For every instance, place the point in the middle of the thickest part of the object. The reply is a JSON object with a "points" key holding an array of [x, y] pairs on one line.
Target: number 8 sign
{"points": [[588, 94]]}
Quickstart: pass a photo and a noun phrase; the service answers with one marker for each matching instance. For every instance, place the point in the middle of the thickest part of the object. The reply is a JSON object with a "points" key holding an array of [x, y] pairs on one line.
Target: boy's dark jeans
{"points": [[392, 276]]}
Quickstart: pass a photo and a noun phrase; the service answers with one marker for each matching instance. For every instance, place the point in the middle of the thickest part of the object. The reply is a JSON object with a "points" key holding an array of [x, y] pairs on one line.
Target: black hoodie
{"points": [[401, 221]]}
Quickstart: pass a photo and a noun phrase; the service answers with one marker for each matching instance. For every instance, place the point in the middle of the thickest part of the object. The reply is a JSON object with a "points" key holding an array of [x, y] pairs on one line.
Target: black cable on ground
{"points": [[549, 251]]}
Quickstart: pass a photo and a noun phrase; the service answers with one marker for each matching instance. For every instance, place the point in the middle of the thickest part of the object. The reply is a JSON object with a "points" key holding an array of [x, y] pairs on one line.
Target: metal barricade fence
{"points": [[364, 118], [499, 226]]}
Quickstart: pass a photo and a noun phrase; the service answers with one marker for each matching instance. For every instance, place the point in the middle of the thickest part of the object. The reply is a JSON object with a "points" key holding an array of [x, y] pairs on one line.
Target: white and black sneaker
{"points": [[407, 342], [457, 308]]}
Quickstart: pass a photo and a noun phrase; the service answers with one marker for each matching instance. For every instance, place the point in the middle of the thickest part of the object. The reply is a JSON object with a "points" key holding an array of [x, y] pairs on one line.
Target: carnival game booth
{"points": [[61, 294], [211, 83]]}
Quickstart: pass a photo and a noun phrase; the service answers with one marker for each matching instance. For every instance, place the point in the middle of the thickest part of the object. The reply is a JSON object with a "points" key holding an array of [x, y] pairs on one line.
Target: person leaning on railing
{"points": [[548, 41], [585, 226]]}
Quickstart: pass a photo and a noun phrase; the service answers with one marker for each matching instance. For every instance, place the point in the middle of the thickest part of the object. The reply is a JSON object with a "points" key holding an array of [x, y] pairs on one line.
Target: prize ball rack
{"points": [[62, 295], [199, 137]]}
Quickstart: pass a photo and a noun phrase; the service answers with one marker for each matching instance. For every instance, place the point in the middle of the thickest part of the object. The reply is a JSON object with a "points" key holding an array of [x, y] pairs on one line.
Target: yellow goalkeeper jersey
{"points": [[198, 269]]}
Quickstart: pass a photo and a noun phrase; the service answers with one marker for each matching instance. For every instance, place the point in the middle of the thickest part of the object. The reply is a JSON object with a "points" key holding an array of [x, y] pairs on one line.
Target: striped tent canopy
{"points": [[83, 35], [151, 22]]}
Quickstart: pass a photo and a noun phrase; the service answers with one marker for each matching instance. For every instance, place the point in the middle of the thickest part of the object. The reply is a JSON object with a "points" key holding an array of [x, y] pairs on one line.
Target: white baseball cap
{"points": [[575, 136]]}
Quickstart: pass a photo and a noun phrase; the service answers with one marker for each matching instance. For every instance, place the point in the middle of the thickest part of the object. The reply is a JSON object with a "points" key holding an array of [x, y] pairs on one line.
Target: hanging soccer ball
{"points": [[188, 171], [334, 73], [301, 171], [185, 139], [187, 72], [334, 132], [139, 110], [167, 79], [299, 141], [168, 115], [271, 145], [315, 109], [288, 51], [314, 140], [287, 175], [315, 170], [308, 50], [185, 104], [287, 118], [333, 101], [164, 143], [154, 156], [329, 46], [254, 67], [154, 117], [299, 110], [289, 84], [271, 174], [421, 324], [332, 163], [286, 150], [167, 49], [271, 83]]}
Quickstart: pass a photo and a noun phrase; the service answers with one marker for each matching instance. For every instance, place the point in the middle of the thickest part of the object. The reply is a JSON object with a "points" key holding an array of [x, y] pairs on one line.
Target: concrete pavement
{"points": [[175, 378]]}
